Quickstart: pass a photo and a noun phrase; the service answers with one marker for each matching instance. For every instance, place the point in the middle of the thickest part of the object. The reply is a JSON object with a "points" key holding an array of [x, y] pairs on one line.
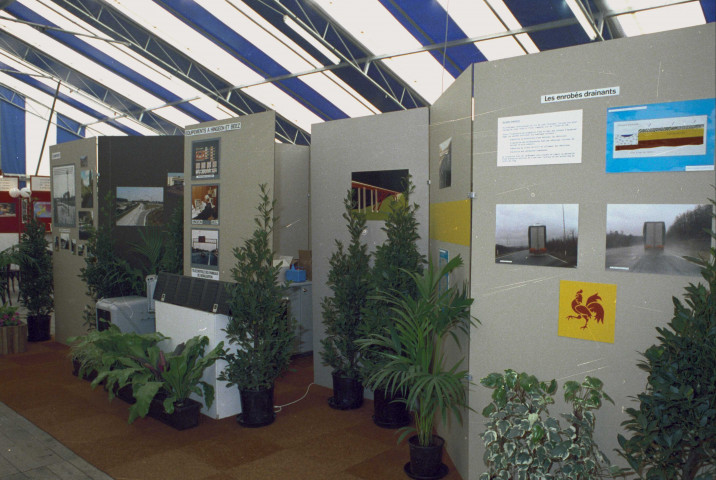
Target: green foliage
{"points": [[9, 316], [35, 261], [263, 336], [349, 280], [153, 248], [522, 441], [673, 432], [105, 273], [136, 360], [394, 262], [173, 260], [413, 350]]}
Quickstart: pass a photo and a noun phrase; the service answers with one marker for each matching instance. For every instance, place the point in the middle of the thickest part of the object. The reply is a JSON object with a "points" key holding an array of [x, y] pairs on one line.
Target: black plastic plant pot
{"points": [[426, 463], [185, 415], [387, 412], [38, 328], [256, 408], [347, 393]]}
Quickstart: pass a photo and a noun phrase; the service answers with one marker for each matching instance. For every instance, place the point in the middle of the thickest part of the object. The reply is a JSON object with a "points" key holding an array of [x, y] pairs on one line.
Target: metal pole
{"points": [[47, 130]]}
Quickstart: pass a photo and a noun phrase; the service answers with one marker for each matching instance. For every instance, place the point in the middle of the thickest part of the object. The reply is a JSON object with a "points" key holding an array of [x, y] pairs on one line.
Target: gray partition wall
{"points": [[517, 301], [69, 290], [228, 160], [391, 141], [450, 210], [123, 171]]}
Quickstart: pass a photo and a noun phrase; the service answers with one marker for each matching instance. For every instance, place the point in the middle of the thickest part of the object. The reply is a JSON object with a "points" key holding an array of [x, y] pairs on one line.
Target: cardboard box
{"points": [[305, 261]]}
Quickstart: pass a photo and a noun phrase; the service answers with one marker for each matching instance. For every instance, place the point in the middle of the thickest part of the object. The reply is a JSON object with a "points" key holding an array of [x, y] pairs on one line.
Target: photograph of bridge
{"points": [[375, 192]]}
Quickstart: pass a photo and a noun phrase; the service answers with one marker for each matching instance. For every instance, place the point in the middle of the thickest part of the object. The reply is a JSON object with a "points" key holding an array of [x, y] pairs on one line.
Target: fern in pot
{"points": [[395, 260], [414, 361], [349, 280], [259, 328]]}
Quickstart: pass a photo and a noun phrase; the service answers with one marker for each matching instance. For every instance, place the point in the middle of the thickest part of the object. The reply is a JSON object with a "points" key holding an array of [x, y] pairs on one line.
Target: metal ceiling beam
{"points": [[193, 73]]}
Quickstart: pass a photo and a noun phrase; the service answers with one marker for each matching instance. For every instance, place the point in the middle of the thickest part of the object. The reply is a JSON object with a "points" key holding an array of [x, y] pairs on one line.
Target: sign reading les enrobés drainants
{"points": [[580, 95]]}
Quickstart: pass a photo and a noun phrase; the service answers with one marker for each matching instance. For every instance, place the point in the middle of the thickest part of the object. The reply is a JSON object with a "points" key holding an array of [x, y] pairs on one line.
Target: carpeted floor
{"points": [[308, 440]]}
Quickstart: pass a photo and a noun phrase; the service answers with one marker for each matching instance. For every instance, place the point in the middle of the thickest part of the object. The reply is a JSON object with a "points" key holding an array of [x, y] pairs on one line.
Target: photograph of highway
{"points": [[204, 248], [648, 238], [63, 195], [140, 206], [542, 235]]}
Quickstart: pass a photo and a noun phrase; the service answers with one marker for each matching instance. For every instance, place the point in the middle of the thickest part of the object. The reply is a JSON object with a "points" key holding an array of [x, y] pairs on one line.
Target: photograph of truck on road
{"points": [[654, 238]]}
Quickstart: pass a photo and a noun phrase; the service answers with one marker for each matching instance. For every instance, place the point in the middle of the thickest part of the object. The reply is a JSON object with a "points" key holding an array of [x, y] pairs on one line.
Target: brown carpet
{"points": [[308, 440]]}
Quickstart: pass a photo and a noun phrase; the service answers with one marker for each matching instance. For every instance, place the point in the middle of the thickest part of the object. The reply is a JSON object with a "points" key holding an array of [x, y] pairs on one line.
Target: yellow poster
{"points": [[587, 310]]}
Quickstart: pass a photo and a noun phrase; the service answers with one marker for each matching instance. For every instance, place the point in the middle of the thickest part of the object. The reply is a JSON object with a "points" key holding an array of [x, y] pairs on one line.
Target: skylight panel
{"points": [[658, 19], [476, 19], [61, 107], [82, 64], [286, 52], [374, 27], [201, 50]]}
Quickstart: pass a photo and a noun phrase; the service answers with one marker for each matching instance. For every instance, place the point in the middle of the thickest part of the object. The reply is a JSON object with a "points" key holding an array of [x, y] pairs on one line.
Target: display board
{"points": [[387, 142], [546, 136], [228, 160], [130, 184], [450, 213]]}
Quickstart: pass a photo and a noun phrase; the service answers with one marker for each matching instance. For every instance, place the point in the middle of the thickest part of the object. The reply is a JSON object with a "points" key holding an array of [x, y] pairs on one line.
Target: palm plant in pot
{"points": [[394, 261], [349, 279], [35, 261], [414, 353], [259, 328]]}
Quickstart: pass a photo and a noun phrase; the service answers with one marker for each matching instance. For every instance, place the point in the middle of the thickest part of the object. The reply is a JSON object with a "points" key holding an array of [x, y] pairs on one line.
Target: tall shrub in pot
{"points": [[36, 285], [349, 280], [672, 433], [259, 328], [394, 262]]}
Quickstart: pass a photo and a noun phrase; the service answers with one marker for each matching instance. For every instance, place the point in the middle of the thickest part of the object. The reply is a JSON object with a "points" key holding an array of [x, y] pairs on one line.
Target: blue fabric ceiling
{"points": [[361, 77]]}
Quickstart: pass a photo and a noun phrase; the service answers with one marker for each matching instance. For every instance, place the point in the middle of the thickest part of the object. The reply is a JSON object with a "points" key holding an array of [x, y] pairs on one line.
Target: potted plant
{"points": [[35, 261], [259, 327], [673, 432], [414, 351], [13, 333], [522, 440], [160, 383], [349, 279], [394, 261]]}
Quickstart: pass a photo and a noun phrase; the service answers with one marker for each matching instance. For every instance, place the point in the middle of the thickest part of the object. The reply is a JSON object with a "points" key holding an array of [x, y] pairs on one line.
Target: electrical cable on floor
{"points": [[278, 408]]}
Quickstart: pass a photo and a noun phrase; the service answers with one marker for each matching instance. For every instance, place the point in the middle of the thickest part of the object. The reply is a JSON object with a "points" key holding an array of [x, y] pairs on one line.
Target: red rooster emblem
{"points": [[591, 309]]}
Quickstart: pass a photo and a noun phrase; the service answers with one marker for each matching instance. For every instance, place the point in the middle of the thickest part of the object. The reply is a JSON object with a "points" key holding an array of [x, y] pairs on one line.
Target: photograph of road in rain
{"points": [[543, 235], [651, 238]]}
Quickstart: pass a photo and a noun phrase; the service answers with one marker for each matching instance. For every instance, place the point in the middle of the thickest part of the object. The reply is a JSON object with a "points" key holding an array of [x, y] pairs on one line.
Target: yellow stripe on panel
{"points": [[450, 222]]}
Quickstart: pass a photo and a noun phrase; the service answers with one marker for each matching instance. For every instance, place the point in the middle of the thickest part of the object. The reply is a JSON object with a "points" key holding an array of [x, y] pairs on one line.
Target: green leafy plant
{"points": [[349, 280], [9, 316], [673, 432], [258, 327], [152, 248], [394, 262], [522, 440], [35, 261], [414, 349], [131, 359], [105, 274], [173, 259]]}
